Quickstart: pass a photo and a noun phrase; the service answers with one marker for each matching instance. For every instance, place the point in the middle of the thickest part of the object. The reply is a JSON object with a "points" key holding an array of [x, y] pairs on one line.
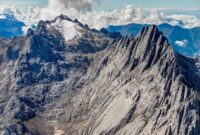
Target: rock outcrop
{"points": [[96, 83]]}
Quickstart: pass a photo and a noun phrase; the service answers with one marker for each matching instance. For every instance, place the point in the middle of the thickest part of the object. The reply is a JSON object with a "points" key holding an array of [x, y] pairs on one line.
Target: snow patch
{"points": [[67, 28], [182, 43]]}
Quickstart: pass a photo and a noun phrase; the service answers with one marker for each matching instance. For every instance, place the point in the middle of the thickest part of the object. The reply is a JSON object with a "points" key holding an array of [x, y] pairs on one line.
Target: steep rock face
{"points": [[184, 41], [147, 89], [96, 83], [39, 70]]}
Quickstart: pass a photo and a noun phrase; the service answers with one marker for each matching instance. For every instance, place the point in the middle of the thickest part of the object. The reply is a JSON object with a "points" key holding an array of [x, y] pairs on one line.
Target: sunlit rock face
{"points": [[67, 79], [183, 40]]}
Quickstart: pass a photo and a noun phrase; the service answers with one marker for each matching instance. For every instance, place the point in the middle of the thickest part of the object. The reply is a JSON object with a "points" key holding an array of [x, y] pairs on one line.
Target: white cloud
{"points": [[99, 19], [2, 17], [128, 14], [79, 5], [82, 10], [116, 17], [181, 43], [70, 7], [187, 21], [29, 17]]}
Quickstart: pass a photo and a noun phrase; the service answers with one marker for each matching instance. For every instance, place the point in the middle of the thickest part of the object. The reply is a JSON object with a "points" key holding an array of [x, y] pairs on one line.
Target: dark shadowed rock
{"points": [[74, 80]]}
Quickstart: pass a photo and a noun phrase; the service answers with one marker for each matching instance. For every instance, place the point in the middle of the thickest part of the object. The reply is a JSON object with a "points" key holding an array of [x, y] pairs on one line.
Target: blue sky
{"points": [[182, 4], [116, 4], [24, 3]]}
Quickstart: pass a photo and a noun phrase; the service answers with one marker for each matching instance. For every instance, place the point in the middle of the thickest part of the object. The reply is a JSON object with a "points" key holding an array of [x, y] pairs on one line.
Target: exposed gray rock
{"points": [[96, 84]]}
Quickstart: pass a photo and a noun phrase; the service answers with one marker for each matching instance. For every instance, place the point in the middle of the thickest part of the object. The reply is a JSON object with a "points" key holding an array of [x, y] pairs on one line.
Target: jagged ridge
{"points": [[96, 84]]}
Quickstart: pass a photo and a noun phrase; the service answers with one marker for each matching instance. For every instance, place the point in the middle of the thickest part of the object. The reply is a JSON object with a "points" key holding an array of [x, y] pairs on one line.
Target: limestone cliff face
{"points": [[90, 82]]}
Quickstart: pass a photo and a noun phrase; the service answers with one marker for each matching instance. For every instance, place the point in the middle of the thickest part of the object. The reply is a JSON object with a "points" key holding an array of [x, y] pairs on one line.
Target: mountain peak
{"points": [[100, 85], [147, 50], [149, 30], [152, 42], [64, 17], [67, 27]]}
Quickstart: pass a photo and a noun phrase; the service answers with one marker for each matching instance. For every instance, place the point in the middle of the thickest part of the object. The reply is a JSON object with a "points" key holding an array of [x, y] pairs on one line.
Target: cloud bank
{"points": [[82, 10], [29, 17], [79, 5], [71, 7]]}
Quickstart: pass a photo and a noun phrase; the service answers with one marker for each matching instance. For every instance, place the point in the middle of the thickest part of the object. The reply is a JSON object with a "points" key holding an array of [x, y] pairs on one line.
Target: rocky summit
{"points": [[67, 79]]}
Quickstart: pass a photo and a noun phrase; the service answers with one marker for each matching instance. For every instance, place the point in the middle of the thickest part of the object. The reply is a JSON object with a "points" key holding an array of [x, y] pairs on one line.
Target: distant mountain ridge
{"points": [[10, 27], [184, 41]]}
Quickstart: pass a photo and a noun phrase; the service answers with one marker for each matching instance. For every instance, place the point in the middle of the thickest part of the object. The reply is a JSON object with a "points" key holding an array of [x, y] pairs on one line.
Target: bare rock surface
{"points": [[96, 83]]}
